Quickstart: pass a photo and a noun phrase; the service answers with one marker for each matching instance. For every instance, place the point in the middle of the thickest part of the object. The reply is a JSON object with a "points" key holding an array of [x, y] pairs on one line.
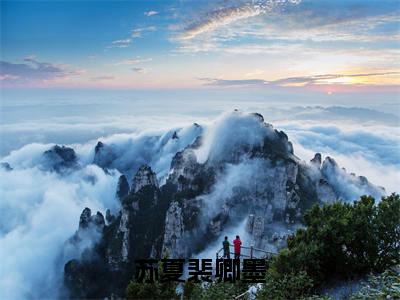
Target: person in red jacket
{"points": [[236, 245]]}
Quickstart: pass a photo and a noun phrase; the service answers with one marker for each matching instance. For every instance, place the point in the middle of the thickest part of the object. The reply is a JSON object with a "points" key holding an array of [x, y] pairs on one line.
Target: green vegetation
{"points": [[214, 290], [156, 290], [384, 286], [340, 241], [288, 286], [344, 240]]}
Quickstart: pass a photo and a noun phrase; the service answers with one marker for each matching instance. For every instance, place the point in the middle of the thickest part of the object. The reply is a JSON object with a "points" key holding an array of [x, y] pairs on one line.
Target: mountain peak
{"points": [[144, 177], [59, 158], [103, 155], [316, 161], [87, 219]]}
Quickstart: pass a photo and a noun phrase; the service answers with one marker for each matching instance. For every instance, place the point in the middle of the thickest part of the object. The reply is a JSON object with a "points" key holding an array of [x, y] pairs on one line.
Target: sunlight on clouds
{"points": [[341, 80], [266, 39]]}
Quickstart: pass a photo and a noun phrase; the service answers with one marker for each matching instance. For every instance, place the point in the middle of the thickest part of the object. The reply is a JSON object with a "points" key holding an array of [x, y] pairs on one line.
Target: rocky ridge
{"points": [[272, 193]]}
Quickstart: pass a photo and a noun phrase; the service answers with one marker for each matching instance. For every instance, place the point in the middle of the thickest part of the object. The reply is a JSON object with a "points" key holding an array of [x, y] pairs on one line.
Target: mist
{"points": [[40, 209]]}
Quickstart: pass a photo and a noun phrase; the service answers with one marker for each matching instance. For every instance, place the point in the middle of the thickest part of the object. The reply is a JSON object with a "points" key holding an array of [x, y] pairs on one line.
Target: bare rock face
{"points": [[256, 182], [87, 219], [88, 234], [255, 226], [138, 223], [78, 277], [316, 161], [144, 177], [124, 230], [185, 170], [174, 230], [98, 220], [109, 217]]}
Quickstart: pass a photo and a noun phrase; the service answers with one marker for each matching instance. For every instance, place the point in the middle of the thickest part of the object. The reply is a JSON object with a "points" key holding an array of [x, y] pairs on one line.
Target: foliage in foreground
{"points": [[156, 290], [379, 287], [214, 290], [340, 241], [344, 240], [289, 286]]}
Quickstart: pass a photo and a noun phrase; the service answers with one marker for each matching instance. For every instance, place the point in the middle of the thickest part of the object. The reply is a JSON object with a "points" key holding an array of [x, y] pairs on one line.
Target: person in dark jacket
{"points": [[225, 245], [237, 243]]}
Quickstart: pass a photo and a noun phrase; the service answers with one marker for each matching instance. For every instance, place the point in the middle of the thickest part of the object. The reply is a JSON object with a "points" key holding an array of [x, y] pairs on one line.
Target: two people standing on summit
{"points": [[236, 246]]}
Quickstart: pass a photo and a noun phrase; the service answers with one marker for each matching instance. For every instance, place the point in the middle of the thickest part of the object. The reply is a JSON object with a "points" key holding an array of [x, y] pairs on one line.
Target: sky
{"points": [[308, 45]]}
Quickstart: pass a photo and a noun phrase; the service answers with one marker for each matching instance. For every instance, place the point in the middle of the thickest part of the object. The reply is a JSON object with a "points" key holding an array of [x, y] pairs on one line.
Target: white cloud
{"points": [[140, 70], [32, 233], [32, 230], [254, 73], [138, 32], [133, 61], [102, 78], [219, 137], [123, 43], [318, 80], [216, 19], [150, 13], [287, 23], [34, 71], [32, 200], [220, 18]]}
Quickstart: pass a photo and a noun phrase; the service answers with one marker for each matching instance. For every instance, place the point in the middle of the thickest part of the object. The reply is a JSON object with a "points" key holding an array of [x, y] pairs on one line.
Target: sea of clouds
{"points": [[40, 209]]}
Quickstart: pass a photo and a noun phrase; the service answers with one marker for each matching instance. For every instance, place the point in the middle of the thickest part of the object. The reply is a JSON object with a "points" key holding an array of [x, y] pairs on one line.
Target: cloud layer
{"points": [[39, 213], [32, 198], [32, 71], [40, 209], [298, 81]]}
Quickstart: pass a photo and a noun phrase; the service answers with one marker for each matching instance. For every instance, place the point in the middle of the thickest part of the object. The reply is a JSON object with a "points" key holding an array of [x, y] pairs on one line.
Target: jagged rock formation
{"points": [[122, 187], [243, 172], [80, 272], [137, 232], [59, 159], [103, 155], [316, 161], [347, 186], [6, 166], [128, 156], [89, 226], [173, 233], [144, 177]]}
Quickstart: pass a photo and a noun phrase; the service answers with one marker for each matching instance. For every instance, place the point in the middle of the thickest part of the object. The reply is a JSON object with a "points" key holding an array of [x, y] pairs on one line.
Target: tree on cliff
{"points": [[340, 241]]}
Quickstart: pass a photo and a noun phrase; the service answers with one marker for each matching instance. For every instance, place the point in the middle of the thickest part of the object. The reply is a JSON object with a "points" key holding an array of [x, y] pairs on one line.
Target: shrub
{"points": [[384, 286], [288, 286], [343, 240]]}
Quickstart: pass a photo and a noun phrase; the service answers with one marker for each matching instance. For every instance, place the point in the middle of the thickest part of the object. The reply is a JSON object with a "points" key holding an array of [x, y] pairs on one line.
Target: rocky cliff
{"points": [[242, 171]]}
